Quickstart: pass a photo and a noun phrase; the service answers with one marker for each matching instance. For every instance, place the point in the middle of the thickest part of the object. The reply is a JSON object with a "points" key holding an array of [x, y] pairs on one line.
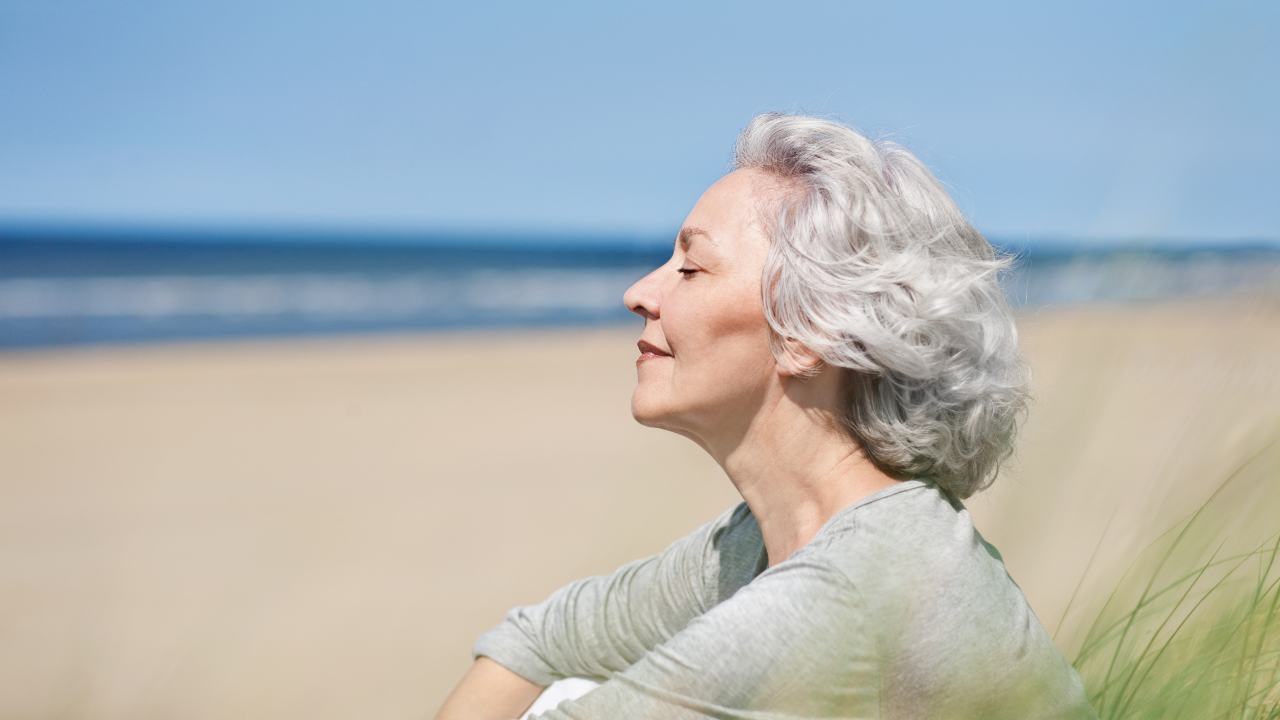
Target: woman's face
{"points": [[704, 308]]}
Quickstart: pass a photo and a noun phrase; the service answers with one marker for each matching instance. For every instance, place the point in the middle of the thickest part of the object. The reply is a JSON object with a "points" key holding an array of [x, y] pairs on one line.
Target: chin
{"points": [[646, 412], [640, 414]]}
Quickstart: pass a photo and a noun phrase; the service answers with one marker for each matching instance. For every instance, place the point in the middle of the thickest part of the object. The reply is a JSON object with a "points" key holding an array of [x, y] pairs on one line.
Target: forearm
{"points": [[489, 691]]}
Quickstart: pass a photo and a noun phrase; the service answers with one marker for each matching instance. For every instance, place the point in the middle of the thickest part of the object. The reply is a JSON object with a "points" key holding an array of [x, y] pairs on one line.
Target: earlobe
{"points": [[801, 361]]}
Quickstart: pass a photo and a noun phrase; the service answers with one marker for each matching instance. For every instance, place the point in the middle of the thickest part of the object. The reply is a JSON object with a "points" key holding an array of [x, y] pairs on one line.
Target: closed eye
{"points": [[687, 271]]}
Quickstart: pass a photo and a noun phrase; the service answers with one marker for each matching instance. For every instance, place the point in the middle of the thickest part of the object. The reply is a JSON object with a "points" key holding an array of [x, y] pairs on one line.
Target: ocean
{"points": [[68, 286]]}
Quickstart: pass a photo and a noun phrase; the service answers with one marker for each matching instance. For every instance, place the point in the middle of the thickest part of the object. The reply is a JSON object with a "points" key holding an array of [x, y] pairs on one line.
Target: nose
{"points": [[642, 298]]}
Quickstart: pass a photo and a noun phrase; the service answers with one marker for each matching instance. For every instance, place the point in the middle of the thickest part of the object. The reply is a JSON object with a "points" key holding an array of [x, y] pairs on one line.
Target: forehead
{"points": [[731, 209]]}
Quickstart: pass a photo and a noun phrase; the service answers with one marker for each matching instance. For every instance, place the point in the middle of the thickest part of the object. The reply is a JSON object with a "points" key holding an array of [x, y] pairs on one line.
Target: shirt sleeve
{"points": [[792, 643], [600, 625]]}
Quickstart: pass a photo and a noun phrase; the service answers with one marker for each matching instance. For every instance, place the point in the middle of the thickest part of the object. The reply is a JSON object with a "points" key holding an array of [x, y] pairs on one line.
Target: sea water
{"points": [[76, 286]]}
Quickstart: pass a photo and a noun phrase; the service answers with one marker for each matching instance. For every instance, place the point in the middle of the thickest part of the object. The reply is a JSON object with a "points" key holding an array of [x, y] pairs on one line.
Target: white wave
{"points": [[544, 291]]}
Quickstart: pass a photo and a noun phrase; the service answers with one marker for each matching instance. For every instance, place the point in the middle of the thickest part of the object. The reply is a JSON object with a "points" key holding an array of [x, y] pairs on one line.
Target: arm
{"points": [[794, 642], [489, 691], [600, 625]]}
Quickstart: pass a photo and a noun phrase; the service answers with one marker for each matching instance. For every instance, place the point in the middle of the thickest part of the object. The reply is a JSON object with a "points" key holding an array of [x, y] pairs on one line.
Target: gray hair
{"points": [[872, 267]]}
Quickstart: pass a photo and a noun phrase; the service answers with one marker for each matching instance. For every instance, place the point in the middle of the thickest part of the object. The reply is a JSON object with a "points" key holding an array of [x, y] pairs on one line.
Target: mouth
{"points": [[649, 350]]}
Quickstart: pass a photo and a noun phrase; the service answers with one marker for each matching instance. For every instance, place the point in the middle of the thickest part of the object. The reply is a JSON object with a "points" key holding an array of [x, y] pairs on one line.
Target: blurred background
{"points": [[313, 357]]}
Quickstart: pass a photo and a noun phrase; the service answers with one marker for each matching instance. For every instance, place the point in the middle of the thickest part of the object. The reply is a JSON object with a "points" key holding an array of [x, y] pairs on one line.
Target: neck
{"points": [[795, 469]]}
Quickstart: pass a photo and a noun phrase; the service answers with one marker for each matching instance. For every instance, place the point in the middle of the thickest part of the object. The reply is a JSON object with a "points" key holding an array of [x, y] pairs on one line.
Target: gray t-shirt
{"points": [[897, 608]]}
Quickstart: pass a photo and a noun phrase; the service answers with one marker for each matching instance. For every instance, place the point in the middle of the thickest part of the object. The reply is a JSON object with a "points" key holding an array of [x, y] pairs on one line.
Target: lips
{"points": [[651, 349]]}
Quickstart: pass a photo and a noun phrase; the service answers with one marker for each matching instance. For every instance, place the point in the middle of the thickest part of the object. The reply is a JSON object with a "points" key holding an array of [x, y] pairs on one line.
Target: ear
{"points": [[801, 361]]}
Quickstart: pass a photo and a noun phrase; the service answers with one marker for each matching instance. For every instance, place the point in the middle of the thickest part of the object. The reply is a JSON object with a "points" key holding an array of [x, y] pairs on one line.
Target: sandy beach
{"points": [[321, 528]]}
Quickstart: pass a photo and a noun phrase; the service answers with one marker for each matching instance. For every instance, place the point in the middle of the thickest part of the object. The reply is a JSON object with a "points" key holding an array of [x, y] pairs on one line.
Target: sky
{"points": [[1081, 120]]}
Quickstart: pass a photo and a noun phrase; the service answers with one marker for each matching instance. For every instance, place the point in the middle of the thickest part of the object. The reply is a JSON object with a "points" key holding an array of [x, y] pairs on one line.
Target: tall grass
{"points": [[1191, 630]]}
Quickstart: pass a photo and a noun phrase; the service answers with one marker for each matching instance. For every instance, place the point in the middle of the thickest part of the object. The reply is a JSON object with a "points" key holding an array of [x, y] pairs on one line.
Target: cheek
{"points": [[721, 333], [741, 315]]}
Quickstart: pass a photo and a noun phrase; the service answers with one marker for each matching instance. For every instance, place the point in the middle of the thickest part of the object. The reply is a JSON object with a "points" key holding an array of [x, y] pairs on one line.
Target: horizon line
{"points": [[314, 232]]}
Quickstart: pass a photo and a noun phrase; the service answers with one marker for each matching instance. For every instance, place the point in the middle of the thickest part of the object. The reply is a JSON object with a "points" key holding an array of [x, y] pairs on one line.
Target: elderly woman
{"points": [[831, 330]]}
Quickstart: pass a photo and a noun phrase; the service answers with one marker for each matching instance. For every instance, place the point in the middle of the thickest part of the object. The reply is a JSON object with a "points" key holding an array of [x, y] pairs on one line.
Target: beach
{"points": [[321, 528]]}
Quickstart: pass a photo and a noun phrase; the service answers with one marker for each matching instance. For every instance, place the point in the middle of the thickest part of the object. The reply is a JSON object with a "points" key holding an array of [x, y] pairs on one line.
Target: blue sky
{"points": [[1081, 120]]}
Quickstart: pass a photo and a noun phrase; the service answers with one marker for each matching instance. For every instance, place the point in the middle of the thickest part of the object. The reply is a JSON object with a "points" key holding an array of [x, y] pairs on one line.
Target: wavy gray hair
{"points": [[872, 267]]}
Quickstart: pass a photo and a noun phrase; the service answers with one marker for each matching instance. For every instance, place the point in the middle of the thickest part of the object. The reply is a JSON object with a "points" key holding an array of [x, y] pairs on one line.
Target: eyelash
{"points": [[686, 271]]}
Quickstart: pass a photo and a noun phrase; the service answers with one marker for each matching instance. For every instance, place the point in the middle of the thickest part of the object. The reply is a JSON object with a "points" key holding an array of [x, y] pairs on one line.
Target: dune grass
{"points": [[1191, 630]]}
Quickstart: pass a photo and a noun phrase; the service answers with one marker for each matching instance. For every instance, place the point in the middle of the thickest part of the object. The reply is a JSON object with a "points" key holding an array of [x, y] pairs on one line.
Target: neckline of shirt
{"points": [[898, 487], [762, 559]]}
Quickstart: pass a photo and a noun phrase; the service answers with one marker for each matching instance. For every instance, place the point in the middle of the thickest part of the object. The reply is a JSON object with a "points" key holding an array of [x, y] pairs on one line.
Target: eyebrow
{"points": [[685, 238]]}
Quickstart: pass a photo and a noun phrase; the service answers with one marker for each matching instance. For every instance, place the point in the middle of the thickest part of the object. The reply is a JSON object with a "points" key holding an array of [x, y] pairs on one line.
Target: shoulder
{"points": [[917, 557], [939, 601], [912, 529]]}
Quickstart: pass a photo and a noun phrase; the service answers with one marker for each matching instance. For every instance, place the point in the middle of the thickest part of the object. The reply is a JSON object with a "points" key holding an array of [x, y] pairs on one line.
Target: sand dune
{"points": [[321, 528]]}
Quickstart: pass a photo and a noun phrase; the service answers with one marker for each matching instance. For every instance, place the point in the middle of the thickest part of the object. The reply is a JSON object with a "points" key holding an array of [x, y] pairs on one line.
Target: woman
{"points": [[831, 330]]}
